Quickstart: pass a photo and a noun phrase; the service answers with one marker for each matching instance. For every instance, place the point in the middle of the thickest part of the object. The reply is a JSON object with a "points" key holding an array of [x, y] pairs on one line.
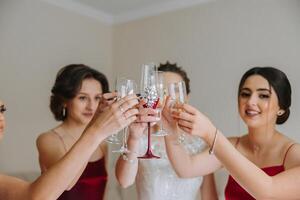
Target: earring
{"points": [[280, 112], [64, 112]]}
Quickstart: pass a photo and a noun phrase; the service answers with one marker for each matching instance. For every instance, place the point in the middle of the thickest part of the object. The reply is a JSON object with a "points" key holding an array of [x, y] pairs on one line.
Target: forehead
{"points": [[255, 82], [90, 85], [1, 102], [171, 77]]}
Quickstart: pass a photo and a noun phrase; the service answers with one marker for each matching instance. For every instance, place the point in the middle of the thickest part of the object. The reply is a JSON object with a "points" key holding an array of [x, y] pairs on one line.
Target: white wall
{"points": [[216, 43], [36, 39]]}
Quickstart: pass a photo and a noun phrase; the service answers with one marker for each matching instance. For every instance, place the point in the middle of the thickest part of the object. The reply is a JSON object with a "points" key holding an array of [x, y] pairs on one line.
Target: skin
{"points": [[49, 186], [262, 146], [126, 172]]}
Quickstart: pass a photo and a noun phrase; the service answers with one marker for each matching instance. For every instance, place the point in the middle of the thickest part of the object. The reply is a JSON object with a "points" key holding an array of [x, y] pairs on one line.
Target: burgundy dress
{"points": [[91, 184], [233, 191]]}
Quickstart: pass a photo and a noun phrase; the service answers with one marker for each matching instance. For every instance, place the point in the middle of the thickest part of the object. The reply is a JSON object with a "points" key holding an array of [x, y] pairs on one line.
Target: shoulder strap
{"points": [[287, 153], [237, 142], [61, 139]]}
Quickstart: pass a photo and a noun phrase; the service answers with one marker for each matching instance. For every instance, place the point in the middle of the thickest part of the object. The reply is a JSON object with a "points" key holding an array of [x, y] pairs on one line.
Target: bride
{"points": [[156, 178]]}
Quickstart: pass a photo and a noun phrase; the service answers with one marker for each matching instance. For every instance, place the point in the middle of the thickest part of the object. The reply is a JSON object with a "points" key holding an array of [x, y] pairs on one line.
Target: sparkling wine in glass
{"points": [[177, 92], [125, 87], [150, 95], [158, 129]]}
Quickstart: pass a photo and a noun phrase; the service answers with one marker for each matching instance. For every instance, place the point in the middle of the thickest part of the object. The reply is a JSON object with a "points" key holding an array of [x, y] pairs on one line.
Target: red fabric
{"points": [[233, 191], [91, 184]]}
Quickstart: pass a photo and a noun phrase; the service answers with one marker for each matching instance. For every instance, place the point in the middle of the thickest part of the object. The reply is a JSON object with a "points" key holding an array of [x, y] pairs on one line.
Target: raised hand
{"points": [[106, 100], [193, 121], [145, 115], [116, 116]]}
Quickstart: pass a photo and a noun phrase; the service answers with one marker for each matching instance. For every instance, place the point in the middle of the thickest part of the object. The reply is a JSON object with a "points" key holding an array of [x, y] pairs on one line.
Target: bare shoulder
{"points": [[48, 140], [292, 155], [50, 149]]}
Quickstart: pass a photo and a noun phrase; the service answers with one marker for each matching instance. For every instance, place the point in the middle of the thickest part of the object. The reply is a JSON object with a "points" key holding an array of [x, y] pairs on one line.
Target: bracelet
{"points": [[211, 149], [126, 158]]}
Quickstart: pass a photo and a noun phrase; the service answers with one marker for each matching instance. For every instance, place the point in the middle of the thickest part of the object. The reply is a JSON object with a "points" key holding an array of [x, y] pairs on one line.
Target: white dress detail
{"points": [[156, 179]]}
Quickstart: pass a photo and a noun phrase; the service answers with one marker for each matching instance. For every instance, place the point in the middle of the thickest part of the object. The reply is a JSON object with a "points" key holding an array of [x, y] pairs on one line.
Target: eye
{"points": [[264, 96], [245, 94], [2, 109], [82, 98], [98, 98]]}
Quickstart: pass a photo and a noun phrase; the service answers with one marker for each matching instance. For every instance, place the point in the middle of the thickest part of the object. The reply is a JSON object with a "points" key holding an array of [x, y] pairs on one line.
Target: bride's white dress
{"points": [[156, 179]]}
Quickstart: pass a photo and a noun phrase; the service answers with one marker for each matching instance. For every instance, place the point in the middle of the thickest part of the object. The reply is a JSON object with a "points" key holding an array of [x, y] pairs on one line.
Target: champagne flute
{"points": [[113, 139], [125, 87], [149, 93], [161, 92], [177, 92]]}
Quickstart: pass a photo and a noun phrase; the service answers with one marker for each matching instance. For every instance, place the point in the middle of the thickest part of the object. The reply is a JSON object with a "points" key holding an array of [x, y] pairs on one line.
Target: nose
{"points": [[92, 105], [252, 100]]}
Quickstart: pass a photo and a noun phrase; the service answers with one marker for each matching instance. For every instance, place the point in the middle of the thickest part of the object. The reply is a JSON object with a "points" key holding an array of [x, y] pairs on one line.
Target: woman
{"points": [[75, 96], [264, 163], [155, 178], [58, 177]]}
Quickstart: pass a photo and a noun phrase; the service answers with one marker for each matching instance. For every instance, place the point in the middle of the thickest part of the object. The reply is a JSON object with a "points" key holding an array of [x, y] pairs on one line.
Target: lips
{"points": [[88, 114], [252, 112]]}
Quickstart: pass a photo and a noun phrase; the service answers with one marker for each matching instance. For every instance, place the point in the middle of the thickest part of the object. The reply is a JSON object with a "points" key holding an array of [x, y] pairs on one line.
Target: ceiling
{"points": [[120, 11]]}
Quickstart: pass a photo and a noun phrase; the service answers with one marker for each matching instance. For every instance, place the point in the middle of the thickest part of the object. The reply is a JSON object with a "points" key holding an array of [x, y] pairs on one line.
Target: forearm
{"points": [[179, 158], [126, 170], [58, 177], [246, 173]]}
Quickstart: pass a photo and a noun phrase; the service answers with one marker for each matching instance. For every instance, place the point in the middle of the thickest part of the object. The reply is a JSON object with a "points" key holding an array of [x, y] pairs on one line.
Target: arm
{"points": [[51, 150], [126, 170], [208, 188], [185, 165], [284, 185], [56, 179]]}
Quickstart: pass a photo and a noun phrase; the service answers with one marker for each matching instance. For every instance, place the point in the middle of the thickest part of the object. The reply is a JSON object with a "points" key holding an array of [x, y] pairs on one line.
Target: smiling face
{"points": [[2, 119], [83, 106], [258, 102]]}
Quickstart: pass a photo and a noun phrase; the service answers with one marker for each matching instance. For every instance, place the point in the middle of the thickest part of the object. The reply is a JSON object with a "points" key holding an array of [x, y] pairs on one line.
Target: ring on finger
{"points": [[121, 109]]}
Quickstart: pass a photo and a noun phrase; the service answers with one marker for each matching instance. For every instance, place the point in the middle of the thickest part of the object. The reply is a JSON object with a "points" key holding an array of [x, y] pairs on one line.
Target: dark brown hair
{"points": [[68, 83], [279, 82], [168, 67]]}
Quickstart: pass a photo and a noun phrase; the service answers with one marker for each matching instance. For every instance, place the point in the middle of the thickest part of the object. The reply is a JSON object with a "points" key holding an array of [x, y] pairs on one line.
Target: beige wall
{"points": [[36, 39], [216, 42]]}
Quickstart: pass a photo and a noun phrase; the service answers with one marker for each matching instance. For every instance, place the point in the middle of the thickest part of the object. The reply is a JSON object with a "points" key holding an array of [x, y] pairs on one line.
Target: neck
{"points": [[73, 128], [261, 138]]}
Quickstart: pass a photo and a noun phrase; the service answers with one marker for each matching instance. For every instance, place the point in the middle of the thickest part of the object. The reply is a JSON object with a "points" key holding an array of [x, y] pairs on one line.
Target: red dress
{"points": [[233, 191], [90, 185], [92, 182]]}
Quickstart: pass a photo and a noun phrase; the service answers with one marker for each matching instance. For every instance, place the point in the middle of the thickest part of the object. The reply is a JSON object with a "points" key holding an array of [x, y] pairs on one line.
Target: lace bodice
{"points": [[156, 179]]}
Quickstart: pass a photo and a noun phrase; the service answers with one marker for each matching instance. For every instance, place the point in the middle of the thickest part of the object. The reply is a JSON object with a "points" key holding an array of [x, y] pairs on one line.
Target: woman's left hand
{"points": [[193, 121]]}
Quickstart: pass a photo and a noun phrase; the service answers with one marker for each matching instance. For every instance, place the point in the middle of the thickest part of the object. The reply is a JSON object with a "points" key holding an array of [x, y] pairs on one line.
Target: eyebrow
{"points": [[259, 89], [88, 94]]}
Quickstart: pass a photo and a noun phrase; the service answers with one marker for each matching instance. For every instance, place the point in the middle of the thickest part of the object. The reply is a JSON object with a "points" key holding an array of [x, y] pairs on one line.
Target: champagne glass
{"points": [[177, 92], [149, 93], [113, 139], [125, 87], [161, 92]]}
